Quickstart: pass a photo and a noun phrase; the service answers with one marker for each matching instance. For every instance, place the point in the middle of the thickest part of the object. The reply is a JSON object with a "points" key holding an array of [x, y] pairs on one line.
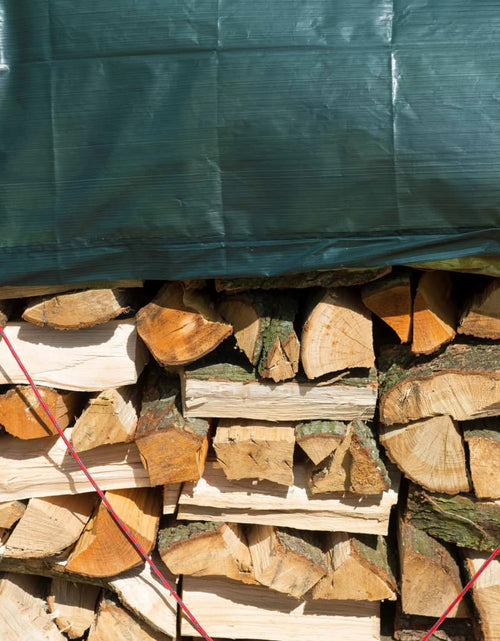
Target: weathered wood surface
{"points": [[72, 606], [28, 291], [10, 512], [486, 593], [434, 313], [483, 440], [114, 623], [318, 439], [481, 317]]}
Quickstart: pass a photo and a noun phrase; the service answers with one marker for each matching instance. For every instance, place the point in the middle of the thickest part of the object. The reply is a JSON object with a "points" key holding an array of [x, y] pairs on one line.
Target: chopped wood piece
{"points": [[24, 464], [429, 452], [10, 512], [463, 382], [72, 606], [50, 525], [434, 313], [483, 440], [430, 577], [77, 310], [251, 449], [28, 291], [481, 317], [173, 448], [171, 495], [102, 357], [180, 325], [286, 561], [103, 549], [319, 439], [409, 627], [206, 549], [22, 415], [337, 334], [390, 299], [358, 569], [110, 417], [263, 328], [462, 520], [236, 611], [486, 593], [229, 391], [214, 498]]}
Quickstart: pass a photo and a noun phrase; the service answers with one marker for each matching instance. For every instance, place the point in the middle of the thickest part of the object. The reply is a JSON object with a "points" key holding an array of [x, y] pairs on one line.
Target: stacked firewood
{"points": [[251, 434]]}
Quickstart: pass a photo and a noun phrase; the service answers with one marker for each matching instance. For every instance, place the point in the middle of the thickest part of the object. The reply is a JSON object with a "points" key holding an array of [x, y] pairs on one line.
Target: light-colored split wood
{"points": [[72, 606], [391, 300], [10, 512], [434, 313], [28, 291], [483, 441], [171, 495], [481, 317], [114, 623], [486, 593], [319, 439]]}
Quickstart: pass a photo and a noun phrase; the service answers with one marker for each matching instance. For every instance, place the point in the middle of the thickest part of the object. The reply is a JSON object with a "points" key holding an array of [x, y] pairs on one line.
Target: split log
{"points": [[251, 449], [263, 328], [429, 452], [337, 334], [201, 548], [483, 440], [101, 357], [413, 628], [171, 495], [110, 417], [230, 391], [214, 498], [430, 577], [460, 519], [236, 611], [319, 439], [481, 317], [172, 448], [10, 512], [72, 606], [285, 560], [22, 415], [29, 291], [77, 310], [391, 300], [486, 593], [434, 313], [358, 569], [180, 325], [43, 467], [49, 526], [463, 382], [103, 549]]}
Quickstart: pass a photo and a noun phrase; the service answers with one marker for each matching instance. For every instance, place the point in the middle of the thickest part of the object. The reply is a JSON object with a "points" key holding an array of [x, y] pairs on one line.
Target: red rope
{"points": [[120, 523]]}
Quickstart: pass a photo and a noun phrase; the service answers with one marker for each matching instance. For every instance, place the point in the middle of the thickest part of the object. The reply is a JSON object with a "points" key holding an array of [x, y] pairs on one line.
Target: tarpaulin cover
{"points": [[199, 138]]}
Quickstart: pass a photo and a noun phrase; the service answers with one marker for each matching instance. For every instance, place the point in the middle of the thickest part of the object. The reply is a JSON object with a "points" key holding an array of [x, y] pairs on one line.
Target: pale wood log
{"points": [[103, 549], [171, 495], [230, 391], [22, 415], [483, 441], [50, 525], [101, 357], [434, 313], [10, 512], [181, 325], [43, 467], [172, 448], [391, 300], [114, 623], [430, 577], [358, 569], [206, 549], [72, 606], [337, 334], [429, 452], [486, 593], [28, 291], [214, 498], [319, 439], [481, 317], [232, 610], [252, 449], [110, 417], [463, 382]]}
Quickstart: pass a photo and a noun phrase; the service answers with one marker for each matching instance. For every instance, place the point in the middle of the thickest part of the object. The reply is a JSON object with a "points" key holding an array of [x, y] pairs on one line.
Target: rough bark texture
{"points": [[319, 439]]}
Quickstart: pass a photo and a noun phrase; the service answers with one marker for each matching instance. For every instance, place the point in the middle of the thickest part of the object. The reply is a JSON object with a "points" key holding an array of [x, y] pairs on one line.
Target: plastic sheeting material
{"points": [[198, 138]]}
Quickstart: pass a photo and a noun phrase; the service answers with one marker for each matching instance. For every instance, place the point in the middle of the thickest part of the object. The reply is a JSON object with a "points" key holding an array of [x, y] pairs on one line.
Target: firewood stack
{"points": [[251, 434]]}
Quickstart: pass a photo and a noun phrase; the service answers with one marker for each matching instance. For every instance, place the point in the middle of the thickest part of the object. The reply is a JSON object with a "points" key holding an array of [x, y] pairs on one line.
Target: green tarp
{"points": [[200, 138]]}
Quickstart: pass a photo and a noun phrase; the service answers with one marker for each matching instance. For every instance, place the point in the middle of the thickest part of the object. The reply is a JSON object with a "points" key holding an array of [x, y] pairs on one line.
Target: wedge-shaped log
{"points": [[337, 334], [319, 439], [103, 549], [434, 313], [181, 325], [483, 440], [72, 606], [200, 548], [481, 316], [358, 569], [430, 576], [22, 415], [171, 495], [439, 467], [463, 382], [485, 593], [173, 448], [252, 449], [101, 357], [10, 513]]}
